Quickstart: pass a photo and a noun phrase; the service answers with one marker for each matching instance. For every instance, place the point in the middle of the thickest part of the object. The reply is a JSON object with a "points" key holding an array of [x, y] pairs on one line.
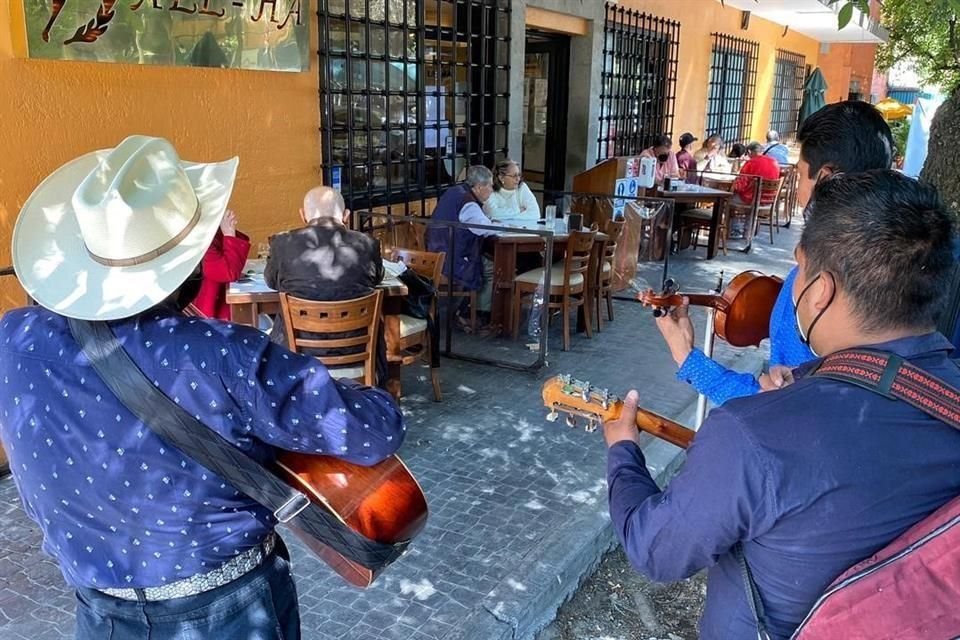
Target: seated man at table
{"points": [[472, 271], [662, 150], [758, 165], [685, 162], [846, 137], [776, 149], [323, 260]]}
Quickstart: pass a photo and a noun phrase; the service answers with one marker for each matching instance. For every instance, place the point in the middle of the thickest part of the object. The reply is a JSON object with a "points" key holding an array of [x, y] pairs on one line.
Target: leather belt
{"points": [[202, 582]]}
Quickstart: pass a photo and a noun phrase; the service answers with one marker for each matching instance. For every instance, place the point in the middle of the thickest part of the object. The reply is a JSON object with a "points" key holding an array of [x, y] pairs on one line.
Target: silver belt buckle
{"points": [[292, 508]]}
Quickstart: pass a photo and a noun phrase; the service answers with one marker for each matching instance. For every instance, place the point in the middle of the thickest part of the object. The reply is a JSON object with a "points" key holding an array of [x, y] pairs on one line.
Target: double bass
{"points": [[743, 309]]}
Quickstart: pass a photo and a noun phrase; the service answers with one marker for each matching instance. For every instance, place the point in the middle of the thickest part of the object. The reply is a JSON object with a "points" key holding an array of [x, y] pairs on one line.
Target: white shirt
{"points": [[471, 213], [517, 204]]}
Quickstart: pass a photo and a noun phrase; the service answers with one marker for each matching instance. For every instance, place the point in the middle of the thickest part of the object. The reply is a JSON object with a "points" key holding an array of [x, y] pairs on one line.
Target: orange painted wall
{"points": [[845, 62], [698, 19], [53, 111]]}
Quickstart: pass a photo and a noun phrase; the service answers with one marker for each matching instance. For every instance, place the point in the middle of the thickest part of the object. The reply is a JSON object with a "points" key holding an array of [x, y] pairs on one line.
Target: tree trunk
{"points": [[942, 169]]}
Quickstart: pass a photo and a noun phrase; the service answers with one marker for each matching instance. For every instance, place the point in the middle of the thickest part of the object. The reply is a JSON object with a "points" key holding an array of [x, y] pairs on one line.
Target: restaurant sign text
{"points": [[237, 34]]}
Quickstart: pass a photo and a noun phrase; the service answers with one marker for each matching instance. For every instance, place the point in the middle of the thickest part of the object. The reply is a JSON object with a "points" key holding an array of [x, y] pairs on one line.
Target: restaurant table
{"points": [[506, 246], [250, 297], [693, 194]]}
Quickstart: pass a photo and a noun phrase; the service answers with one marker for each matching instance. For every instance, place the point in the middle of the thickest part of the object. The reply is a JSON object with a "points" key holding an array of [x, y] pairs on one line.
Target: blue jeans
{"points": [[260, 605]]}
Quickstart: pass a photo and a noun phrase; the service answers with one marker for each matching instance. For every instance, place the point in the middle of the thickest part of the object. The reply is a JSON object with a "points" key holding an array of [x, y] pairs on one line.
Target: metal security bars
{"points": [[733, 84], [787, 92], [411, 93], [639, 81]]}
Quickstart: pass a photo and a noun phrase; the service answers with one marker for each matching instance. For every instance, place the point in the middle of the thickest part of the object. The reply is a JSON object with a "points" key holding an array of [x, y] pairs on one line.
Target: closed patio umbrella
{"points": [[813, 95]]}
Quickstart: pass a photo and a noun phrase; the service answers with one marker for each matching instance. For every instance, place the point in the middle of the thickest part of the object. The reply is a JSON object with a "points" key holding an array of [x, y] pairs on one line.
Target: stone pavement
{"points": [[518, 505]]}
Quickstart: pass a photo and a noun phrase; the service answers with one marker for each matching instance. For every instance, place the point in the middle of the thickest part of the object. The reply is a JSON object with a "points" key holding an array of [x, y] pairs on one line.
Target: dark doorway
{"points": [[546, 79]]}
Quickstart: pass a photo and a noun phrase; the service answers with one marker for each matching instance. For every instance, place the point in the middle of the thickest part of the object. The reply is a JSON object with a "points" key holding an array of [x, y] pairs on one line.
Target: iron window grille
{"points": [[411, 93], [787, 93], [733, 85], [639, 81]]}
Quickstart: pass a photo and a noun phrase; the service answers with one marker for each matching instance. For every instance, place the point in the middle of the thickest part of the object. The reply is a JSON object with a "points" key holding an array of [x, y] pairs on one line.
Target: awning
{"points": [[816, 19]]}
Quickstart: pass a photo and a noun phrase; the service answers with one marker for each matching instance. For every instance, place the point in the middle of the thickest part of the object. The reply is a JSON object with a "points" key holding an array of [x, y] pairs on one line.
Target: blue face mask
{"points": [[805, 335]]}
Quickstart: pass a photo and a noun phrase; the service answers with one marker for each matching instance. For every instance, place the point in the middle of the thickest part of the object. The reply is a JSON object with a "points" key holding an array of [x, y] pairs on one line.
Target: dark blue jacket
{"points": [[812, 479], [467, 265]]}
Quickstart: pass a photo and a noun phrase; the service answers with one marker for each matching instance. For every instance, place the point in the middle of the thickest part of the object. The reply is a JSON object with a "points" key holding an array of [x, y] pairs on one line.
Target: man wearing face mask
{"points": [[667, 166], [843, 137], [812, 479]]}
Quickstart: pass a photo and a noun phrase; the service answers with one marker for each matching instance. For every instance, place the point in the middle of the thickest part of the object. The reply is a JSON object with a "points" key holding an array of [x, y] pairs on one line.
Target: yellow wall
{"points": [[52, 111], [698, 19]]}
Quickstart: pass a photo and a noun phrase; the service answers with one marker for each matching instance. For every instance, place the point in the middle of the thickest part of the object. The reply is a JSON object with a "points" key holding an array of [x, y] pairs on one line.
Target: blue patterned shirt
{"points": [[120, 508], [720, 384]]}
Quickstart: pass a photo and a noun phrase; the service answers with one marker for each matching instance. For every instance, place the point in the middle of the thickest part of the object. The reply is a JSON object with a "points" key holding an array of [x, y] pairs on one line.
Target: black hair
{"points": [[737, 151], [888, 241], [662, 141], [848, 136]]}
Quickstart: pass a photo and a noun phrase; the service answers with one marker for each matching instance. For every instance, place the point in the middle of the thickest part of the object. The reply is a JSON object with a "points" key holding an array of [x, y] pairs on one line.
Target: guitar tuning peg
{"points": [[552, 416], [591, 426], [571, 422], [585, 392]]}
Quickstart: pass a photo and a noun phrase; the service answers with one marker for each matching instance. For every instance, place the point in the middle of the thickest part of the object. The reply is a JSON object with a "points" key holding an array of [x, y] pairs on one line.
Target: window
{"points": [[411, 93], [787, 93], [639, 80], [733, 83]]}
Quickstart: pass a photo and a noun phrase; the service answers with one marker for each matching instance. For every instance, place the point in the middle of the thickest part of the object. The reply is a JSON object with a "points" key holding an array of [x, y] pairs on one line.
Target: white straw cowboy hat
{"points": [[114, 232]]}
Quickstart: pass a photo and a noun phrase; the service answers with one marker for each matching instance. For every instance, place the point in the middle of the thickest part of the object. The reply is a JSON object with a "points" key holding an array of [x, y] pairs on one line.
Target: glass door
{"points": [[545, 83]]}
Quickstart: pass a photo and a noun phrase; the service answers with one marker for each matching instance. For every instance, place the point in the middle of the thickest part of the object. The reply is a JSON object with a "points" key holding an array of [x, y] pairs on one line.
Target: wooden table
{"points": [[251, 296], [505, 249], [693, 194]]}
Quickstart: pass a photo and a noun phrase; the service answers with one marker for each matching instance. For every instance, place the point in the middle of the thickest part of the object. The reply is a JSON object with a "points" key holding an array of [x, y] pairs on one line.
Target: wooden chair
{"points": [[569, 285], [698, 219], [604, 286], [313, 325], [767, 206], [414, 337], [787, 201]]}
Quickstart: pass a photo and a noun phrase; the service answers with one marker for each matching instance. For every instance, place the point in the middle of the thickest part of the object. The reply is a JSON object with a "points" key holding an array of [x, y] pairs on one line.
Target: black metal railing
{"points": [[411, 93], [733, 85], [382, 224], [638, 81], [787, 92]]}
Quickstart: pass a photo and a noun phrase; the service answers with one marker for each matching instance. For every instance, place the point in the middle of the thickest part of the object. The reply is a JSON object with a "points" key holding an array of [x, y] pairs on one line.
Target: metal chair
{"points": [[569, 285], [414, 339], [341, 334]]}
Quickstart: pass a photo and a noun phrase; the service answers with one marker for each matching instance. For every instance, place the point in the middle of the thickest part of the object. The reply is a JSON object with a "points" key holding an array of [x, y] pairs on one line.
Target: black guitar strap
{"points": [[179, 429]]}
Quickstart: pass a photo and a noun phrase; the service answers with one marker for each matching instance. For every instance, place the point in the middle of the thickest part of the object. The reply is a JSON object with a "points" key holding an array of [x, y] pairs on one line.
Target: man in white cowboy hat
{"points": [[155, 544]]}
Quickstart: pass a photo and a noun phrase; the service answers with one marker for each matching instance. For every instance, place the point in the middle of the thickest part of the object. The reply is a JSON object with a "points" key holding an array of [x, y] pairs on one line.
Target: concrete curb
{"points": [[569, 555]]}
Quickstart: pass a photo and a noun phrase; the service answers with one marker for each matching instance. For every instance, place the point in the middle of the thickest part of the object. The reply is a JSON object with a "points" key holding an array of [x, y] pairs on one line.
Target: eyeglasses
{"points": [[518, 176]]}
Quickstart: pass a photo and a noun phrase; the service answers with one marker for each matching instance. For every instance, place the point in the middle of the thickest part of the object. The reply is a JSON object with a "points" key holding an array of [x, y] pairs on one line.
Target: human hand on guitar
{"points": [[677, 329], [624, 428], [778, 377]]}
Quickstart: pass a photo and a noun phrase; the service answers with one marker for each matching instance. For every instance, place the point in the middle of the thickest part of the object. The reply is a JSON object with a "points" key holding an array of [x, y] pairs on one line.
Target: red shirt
{"points": [[763, 166], [222, 264]]}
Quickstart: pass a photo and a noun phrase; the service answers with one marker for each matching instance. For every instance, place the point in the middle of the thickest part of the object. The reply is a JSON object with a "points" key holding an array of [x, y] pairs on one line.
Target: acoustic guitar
{"points": [[383, 502], [579, 399]]}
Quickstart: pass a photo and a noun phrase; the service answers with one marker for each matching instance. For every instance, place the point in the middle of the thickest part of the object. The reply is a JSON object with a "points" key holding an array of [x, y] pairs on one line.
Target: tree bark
{"points": [[942, 169]]}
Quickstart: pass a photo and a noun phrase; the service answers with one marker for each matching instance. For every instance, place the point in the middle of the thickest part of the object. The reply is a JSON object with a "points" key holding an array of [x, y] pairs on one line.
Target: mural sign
{"points": [[235, 34]]}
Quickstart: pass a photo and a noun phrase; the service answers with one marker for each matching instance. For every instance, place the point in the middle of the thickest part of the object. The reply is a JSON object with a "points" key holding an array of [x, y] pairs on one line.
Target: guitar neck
{"points": [[665, 429]]}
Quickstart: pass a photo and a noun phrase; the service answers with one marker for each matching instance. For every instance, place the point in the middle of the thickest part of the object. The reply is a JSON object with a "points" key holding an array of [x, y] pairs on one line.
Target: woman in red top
{"points": [[222, 264]]}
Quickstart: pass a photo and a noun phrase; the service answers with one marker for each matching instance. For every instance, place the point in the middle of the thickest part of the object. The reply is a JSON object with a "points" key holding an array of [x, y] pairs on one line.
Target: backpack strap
{"points": [[892, 377]]}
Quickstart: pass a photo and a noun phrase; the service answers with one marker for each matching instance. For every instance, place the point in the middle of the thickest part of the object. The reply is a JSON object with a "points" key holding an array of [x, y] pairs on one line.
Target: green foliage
{"points": [[926, 31], [900, 130]]}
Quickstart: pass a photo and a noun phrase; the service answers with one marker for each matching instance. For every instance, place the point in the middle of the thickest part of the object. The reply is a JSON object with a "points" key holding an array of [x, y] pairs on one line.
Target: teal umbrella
{"points": [[813, 95]]}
